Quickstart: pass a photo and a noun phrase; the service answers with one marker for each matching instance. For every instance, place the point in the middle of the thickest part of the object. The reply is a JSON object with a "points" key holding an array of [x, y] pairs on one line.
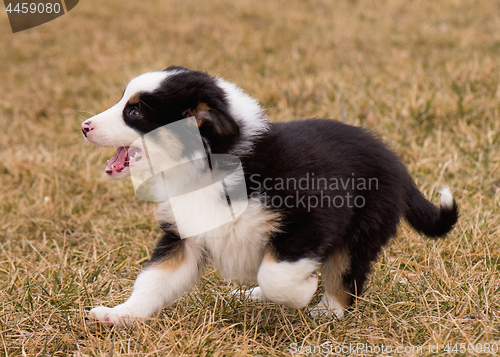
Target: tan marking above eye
{"points": [[134, 99]]}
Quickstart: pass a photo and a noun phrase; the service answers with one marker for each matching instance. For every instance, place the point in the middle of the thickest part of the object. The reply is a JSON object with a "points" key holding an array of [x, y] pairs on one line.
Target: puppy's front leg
{"points": [[173, 269]]}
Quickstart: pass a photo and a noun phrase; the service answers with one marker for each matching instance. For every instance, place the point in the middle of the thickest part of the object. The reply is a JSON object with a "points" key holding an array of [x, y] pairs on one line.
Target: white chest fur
{"points": [[236, 249]]}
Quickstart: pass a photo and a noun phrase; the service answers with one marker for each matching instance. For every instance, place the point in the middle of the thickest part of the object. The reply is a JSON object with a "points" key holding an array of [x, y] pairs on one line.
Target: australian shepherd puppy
{"points": [[319, 195]]}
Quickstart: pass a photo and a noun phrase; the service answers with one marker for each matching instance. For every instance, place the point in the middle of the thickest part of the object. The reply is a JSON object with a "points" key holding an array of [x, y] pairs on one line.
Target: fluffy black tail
{"points": [[427, 218]]}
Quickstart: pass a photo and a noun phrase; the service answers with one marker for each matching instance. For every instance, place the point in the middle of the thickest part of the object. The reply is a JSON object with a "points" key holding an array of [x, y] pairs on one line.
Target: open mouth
{"points": [[124, 155]]}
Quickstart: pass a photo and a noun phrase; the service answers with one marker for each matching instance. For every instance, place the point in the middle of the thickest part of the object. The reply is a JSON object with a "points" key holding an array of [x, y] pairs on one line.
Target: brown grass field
{"points": [[424, 75]]}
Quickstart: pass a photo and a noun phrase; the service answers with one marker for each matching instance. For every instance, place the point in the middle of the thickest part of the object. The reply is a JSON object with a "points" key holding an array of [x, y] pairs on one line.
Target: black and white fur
{"points": [[279, 248]]}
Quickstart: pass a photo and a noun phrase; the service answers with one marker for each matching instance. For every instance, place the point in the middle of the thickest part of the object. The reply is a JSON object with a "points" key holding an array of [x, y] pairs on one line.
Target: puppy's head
{"points": [[154, 100]]}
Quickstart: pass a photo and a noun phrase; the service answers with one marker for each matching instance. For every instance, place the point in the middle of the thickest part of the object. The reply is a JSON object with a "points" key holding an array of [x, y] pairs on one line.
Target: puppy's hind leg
{"points": [[336, 297], [173, 269], [285, 282]]}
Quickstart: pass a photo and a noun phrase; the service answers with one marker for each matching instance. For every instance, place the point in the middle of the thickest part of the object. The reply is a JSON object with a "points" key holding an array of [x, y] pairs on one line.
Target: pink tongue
{"points": [[117, 162]]}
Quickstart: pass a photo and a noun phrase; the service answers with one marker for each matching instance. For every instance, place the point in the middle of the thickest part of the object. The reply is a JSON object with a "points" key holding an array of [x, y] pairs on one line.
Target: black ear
{"points": [[216, 125], [220, 121], [175, 68]]}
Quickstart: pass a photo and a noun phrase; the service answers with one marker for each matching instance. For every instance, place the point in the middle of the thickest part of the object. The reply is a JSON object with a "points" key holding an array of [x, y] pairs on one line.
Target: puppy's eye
{"points": [[134, 113]]}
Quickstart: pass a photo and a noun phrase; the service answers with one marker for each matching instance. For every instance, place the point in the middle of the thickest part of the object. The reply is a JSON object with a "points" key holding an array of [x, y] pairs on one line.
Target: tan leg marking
{"points": [[174, 260], [332, 271], [269, 256]]}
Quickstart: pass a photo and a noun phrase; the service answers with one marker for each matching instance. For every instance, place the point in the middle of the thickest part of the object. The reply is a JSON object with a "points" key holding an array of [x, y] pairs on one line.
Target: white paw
{"points": [[328, 306], [110, 316], [251, 294]]}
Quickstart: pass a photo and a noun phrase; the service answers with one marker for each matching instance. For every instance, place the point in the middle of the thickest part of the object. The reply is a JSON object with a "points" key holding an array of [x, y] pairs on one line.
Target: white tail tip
{"points": [[446, 197]]}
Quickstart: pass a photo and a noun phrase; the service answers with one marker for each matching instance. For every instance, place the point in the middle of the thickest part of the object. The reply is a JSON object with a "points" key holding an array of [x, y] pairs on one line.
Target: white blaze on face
{"points": [[108, 128]]}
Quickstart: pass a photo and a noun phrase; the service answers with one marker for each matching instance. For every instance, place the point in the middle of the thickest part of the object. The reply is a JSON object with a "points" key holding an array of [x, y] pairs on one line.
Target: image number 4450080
{"points": [[24, 15]]}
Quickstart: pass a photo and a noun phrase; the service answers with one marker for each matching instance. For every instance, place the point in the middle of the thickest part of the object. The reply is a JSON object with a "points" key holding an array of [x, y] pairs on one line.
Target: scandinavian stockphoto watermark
{"points": [[311, 191], [24, 15]]}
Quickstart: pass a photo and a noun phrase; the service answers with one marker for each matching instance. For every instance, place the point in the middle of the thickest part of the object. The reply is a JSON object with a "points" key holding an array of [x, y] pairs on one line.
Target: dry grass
{"points": [[424, 75]]}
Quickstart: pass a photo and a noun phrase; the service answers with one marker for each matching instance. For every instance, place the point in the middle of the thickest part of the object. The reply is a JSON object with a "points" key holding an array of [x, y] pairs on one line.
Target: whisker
{"points": [[140, 101], [122, 82], [78, 113]]}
